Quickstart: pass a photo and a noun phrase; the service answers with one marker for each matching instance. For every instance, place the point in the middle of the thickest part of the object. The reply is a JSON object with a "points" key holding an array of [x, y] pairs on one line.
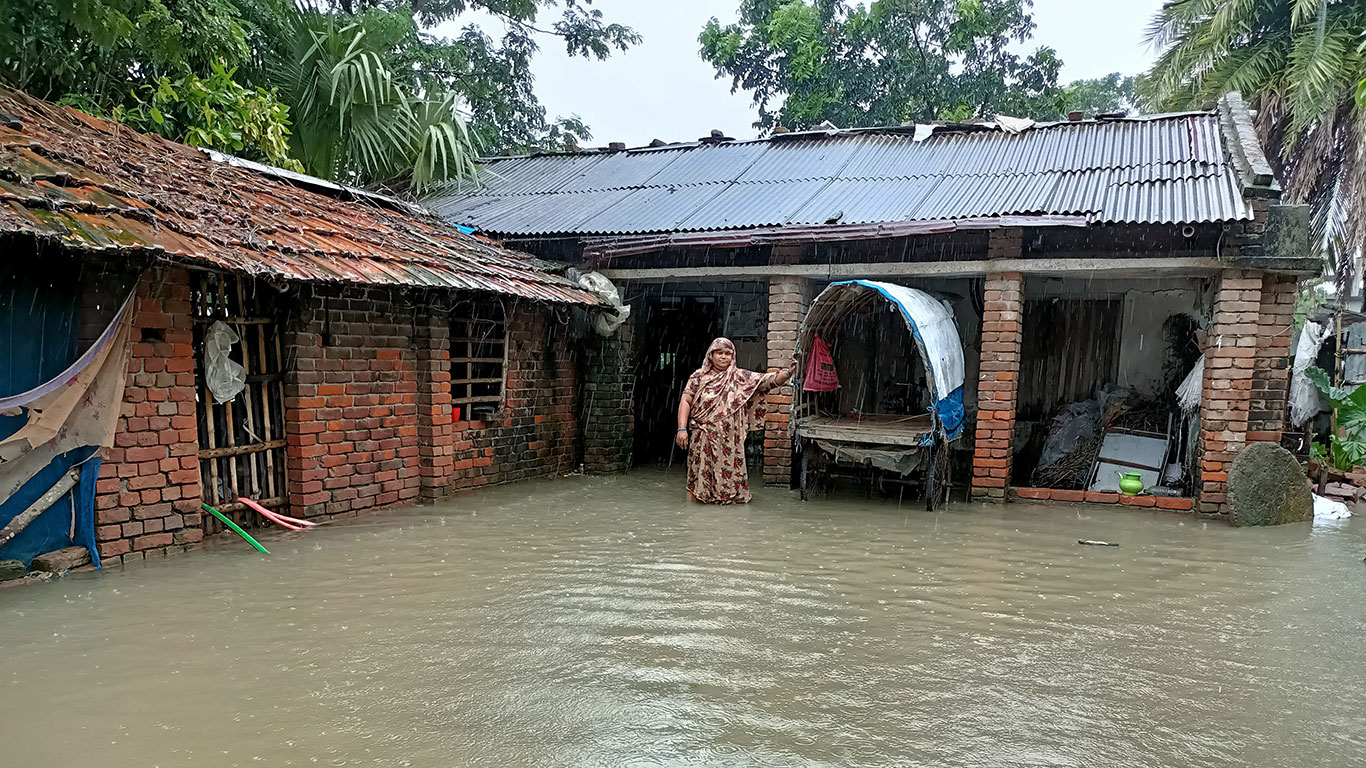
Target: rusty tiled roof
{"points": [[99, 186]]}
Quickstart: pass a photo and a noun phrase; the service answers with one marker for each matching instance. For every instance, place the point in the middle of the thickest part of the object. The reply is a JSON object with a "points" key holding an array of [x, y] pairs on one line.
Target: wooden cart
{"points": [[910, 449]]}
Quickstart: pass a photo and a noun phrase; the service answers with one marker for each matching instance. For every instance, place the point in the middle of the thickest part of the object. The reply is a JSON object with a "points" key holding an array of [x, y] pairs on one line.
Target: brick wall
{"points": [[998, 380], [435, 425], [1230, 356], [536, 433], [1246, 374], [1270, 369], [351, 401], [367, 408], [788, 299], [147, 495], [607, 410]]}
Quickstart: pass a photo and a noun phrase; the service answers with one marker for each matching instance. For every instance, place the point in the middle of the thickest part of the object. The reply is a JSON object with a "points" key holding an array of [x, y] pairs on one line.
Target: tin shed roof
{"points": [[95, 185], [1166, 169]]}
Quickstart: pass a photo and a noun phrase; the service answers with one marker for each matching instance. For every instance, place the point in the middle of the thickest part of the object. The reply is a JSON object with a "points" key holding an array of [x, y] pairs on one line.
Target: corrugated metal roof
{"points": [[94, 185], [1161, 169]]}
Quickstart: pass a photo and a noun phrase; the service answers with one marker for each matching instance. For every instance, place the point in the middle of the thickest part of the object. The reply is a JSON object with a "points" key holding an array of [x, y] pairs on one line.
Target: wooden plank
{"points": [[237, 506], [270, 488], [252, 471], [278, 397], [1123, 463], [240, 450], [19, 522], [229, 423], [490, 400], [887, 430], [206, 404]]}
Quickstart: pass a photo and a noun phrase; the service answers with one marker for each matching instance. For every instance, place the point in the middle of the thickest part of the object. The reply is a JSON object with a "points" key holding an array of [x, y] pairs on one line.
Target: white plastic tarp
{"points": [[933, 323]]}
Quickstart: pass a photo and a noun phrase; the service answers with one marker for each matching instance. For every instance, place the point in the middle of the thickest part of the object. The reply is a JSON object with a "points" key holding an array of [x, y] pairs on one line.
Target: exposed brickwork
{"points": [[535, 434], [788, 298], [1270, 372], [351, 402], [370, 421], [1230, 356], [1005, 244], [435, 427], [147, 495], [608, 402], [998, 376], [1102, 497]]}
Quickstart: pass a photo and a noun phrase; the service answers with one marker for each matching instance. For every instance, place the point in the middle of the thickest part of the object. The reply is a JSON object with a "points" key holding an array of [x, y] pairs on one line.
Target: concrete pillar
{"points": [[787, 303], [997, 384]]}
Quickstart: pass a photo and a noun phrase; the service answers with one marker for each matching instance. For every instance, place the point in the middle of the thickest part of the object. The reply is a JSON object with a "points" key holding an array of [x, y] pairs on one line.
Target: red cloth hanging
{"points": [[820, 369]]}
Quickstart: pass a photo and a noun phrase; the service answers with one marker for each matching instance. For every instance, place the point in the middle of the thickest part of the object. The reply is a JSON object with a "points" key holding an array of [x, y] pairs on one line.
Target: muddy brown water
{"points": [[601, 622]]}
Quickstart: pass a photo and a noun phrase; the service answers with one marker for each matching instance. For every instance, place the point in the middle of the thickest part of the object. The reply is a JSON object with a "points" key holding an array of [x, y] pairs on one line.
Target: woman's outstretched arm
{"points": [[684, 410]]}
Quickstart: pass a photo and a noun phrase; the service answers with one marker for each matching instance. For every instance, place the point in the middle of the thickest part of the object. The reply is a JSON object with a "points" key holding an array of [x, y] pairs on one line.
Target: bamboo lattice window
{"points": [[478, 356], [241, 441]]}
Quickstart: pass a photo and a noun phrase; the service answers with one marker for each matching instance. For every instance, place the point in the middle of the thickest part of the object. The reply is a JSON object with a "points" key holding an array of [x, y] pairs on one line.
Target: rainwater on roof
{"points": [[1164, 169]]}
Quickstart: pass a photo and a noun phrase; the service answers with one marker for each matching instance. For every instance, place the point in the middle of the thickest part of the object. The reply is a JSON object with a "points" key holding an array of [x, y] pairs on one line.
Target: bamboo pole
{"points": [[21, 520]]}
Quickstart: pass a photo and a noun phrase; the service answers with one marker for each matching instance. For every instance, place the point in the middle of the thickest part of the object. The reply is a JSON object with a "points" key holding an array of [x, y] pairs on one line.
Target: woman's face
{"points": [[722, 358]]}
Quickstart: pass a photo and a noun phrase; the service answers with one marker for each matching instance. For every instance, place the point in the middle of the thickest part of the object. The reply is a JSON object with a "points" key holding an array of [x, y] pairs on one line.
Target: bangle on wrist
{"points": [[682, 429]]}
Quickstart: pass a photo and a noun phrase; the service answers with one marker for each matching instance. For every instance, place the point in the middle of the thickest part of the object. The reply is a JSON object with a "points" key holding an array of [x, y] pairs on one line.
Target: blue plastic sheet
{"points": [[38, 340]]}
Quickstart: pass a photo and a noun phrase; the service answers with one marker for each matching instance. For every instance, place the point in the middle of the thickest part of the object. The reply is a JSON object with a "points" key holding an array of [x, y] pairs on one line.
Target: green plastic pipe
{"points": [[235, 527]]}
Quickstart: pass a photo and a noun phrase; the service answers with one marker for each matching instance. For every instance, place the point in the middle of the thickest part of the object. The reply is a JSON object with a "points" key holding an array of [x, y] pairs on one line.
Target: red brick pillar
{"points": [[1270, 369], [435, 430], [306, 459], [1231, 352], [787, 303], [997, 383], [147, 495]]}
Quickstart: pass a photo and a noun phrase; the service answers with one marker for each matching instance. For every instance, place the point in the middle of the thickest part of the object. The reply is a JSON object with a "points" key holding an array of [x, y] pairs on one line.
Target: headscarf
{"points": [[718, 395]]}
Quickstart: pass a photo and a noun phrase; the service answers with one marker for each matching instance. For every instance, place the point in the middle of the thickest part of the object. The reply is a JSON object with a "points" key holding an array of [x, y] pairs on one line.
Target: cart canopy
{"points": [[931, 323]]}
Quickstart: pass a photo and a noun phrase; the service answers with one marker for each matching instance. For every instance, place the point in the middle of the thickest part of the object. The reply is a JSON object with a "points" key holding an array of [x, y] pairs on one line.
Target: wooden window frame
{"points": [[478, 342]]}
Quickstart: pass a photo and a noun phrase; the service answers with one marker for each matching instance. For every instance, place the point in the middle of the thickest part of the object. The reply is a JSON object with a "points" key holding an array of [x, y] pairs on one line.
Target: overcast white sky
{"points": [[662, 88]]}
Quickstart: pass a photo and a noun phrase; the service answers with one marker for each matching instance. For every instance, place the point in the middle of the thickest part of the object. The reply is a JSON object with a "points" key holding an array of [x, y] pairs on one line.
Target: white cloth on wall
{"points": [[1304, 396]]}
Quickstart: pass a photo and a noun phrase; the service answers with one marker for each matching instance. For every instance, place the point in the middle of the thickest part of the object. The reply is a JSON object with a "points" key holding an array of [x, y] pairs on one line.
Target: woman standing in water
{"points": [[719, 407]]}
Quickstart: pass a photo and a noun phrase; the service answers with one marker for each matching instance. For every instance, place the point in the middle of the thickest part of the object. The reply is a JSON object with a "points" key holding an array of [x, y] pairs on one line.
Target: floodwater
{"points": [[602, 622]]}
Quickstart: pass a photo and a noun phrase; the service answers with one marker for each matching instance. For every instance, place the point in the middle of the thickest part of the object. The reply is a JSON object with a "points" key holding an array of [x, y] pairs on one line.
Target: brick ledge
{"points": [[1173, 503]]}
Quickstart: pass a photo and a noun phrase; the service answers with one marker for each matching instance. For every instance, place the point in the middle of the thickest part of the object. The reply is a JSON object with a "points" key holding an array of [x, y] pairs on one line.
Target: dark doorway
{"points": [[674, 334]]}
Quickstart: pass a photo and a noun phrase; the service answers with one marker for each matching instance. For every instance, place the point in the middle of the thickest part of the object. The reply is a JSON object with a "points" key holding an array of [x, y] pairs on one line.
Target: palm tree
{"points": [[355, 120], [1297, 62]]}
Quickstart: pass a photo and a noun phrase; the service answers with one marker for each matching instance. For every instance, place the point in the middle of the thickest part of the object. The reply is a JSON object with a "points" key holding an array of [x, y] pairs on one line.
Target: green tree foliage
{"points": [[1349, 418], [354, 117], [1298, 63], [215, 112], [890, 61], [1099, 96], [101, 49], [373, 98]]}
